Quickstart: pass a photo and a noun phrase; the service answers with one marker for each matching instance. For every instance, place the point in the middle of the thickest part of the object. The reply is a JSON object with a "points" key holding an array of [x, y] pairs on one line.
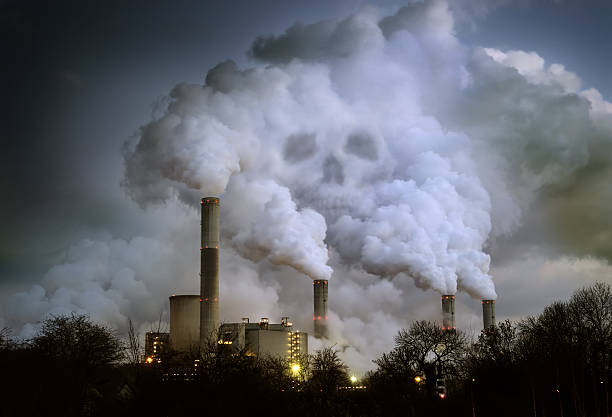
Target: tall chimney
{"points": [[320, 308], [448, 312], [209, 270], [488, 313]]}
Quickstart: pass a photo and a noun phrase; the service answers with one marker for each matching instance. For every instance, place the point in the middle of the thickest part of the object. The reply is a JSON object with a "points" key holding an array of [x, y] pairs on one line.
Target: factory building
{"points": [[156, 343], [194, 319], [264, 338], [185, 322]]}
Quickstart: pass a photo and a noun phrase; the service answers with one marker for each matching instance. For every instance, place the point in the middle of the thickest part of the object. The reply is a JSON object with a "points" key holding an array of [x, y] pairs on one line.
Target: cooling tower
{"points": [[320, 308], [448, 312], [185, 322], [209, 270], [488, 313]]}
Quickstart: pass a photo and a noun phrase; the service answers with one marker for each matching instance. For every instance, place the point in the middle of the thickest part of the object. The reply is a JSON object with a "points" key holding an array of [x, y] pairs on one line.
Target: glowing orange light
{"points": [[149, 359], [442, 395]]}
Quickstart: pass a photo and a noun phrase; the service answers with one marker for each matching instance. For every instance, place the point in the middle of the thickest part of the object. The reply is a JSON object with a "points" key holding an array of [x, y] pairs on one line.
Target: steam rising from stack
{"points": [[209, 270], [320, 308]]}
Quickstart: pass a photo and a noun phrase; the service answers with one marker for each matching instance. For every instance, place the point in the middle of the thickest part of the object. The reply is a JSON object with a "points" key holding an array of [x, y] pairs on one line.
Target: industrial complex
{"points": [[194, 318]]}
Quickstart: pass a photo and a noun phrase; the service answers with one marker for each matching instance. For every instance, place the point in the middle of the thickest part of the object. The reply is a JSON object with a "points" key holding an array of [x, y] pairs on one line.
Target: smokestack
{"points": [[320, 308], [448, 312], [209, 270], [488, 313]]}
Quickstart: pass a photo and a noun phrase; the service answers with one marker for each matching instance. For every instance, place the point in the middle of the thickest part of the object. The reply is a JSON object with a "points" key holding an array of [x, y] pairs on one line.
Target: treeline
{"points": [[555, 364]]}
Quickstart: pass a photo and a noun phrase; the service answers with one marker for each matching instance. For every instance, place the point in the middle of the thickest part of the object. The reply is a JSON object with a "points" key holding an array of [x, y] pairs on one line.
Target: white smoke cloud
{"points": [[269, 225], [335, 126]]}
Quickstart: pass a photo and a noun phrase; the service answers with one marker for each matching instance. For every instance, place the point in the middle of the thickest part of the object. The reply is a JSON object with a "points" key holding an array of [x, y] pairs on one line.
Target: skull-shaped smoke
{"points": [[382, 139], [329, 140]]}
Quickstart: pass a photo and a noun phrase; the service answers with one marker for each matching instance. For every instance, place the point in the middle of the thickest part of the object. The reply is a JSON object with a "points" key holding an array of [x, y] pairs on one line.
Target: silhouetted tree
{"points": [[73, 352], [134, 348], [423, 350]]}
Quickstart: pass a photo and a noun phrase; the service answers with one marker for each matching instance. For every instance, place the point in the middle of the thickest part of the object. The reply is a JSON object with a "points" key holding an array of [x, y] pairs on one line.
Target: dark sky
{"points": [[79, 78]]}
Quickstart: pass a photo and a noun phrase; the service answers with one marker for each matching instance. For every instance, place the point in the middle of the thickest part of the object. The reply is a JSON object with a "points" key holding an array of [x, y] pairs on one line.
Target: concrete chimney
{"points": [[320, 308], [448, 312], [209, 271], [488, 314]]}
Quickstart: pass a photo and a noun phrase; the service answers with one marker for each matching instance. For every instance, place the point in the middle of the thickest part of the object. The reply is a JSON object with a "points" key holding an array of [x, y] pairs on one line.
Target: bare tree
{"points": [[134, 348], [424, 348]]}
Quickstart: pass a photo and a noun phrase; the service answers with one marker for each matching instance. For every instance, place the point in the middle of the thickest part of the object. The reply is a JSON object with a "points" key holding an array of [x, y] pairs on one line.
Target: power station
{"points": [[194, 319], [264, 338]]}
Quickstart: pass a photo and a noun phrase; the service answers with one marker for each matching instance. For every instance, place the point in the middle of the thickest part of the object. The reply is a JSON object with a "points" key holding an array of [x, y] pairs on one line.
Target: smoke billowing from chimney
{"points": [[315, 159]]}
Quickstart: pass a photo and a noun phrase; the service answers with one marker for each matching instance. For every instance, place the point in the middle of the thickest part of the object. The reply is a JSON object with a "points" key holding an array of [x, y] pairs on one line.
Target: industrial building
{"points": [[264, 338], [156, 343], [194, 319]]}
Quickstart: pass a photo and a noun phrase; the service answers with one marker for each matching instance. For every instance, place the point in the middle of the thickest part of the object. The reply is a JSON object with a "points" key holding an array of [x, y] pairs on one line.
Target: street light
{"points": [[295, 368], [353, 379]]}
